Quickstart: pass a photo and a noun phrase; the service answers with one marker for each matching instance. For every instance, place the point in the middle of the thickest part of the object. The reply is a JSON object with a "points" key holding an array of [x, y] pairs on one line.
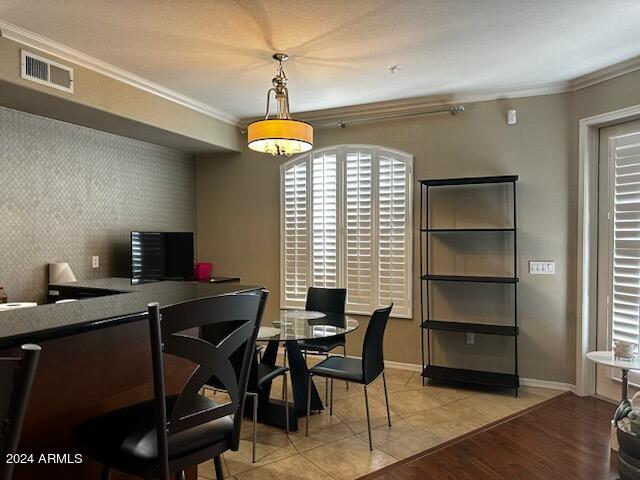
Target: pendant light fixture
{"points": [[280, 135]]}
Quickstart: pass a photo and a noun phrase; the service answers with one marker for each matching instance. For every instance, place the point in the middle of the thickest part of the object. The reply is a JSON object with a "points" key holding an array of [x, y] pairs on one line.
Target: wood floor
{"points": [[565, 438]]}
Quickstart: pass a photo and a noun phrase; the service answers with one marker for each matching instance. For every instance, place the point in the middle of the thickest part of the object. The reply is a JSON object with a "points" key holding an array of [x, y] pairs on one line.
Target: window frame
{"points": [[341, 151]]}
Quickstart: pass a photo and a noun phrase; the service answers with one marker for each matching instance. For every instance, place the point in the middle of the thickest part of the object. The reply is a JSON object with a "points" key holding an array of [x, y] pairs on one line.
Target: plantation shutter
{"points": [[295, 232], [358, 214], [325, 218], [394, 230], [346, 222], [626, 235]]}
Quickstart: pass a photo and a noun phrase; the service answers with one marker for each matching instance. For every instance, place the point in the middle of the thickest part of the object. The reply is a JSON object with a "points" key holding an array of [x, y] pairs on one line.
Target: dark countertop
{"points": [[128, 303]]}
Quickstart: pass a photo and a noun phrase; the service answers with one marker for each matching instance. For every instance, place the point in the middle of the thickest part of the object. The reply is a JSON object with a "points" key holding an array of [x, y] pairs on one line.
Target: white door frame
{"points": [[587, 258]]}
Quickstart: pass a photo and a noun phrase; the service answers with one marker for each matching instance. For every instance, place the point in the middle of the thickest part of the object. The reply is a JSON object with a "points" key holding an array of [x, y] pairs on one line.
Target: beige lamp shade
{"points": [[280, 136], [61, 273]]}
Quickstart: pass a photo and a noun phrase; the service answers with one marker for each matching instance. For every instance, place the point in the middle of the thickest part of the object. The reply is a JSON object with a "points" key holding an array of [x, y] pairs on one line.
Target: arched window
{"points": [[346, 221]]}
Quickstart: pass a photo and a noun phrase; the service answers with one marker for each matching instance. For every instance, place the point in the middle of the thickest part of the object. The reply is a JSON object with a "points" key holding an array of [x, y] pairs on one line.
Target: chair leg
{"points": [[331, 399], [286, 402], [106, 473], [326, 384], [386, 398], [344, 350], [326, 390], [255, 427], [285, 364], [217, 465], [306, 428], [180, 476], [366, 404]]}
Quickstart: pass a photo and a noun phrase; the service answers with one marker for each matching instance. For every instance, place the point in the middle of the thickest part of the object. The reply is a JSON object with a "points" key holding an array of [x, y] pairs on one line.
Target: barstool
{"points": [[166, 435]]}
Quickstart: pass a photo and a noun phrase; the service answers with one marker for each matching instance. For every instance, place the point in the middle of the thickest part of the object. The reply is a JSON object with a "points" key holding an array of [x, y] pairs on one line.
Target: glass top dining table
{"points": [[306, 325], [290, 327]]}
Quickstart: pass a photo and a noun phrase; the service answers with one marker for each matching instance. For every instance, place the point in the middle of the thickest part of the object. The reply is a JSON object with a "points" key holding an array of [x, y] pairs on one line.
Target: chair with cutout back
{"points": [[167, 434]]}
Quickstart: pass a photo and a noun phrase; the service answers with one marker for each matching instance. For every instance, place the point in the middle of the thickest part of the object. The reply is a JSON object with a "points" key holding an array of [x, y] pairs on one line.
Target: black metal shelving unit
{"points": [[427, 325]]}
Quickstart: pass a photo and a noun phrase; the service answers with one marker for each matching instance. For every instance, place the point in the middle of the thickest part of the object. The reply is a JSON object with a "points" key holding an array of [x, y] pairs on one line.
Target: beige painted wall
{"points": [[238, 215], [239, 228], [107, 104]]}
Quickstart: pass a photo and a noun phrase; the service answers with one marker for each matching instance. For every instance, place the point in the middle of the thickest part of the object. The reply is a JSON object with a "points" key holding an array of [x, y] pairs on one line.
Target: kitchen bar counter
{"points": [[95, 358], [113, 301]]}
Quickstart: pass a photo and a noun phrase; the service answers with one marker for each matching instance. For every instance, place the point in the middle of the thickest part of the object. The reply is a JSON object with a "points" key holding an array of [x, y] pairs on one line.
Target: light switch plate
{"points": [[470, 338], [95, 261], [542, 267]]}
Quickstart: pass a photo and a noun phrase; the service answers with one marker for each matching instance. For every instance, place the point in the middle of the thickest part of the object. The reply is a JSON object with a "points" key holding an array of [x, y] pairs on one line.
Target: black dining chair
{"points": [[259, 376], [362, 371], [168, 434], [16, 379], [325, 300]]}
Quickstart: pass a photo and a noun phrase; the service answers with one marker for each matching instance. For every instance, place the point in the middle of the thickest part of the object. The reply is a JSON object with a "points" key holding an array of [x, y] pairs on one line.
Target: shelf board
{"points": [[469, 180], [477, 377], [482, 328], [454, 230], [469, 278]]}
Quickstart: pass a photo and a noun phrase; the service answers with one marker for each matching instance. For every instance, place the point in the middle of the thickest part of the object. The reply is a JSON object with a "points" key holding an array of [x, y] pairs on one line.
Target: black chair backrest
{"points": [[372, 354], [16, 379], [238, 316], [327, 300]]}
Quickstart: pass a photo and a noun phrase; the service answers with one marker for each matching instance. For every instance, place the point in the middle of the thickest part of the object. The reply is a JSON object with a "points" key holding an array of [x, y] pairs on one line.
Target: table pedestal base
{"points": [[270, 410]]}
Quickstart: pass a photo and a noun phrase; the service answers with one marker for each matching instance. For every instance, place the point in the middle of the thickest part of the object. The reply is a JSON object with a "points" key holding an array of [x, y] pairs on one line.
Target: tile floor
{"points": [[337, 446]]}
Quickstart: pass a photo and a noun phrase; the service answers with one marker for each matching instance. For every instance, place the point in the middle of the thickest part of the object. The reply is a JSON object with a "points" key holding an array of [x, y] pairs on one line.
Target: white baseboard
{"points": [[525, 382], [606, 399], [412, 367], [533, 382]]}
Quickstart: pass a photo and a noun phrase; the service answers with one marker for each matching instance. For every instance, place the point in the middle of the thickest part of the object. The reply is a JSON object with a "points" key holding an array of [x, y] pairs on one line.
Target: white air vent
{"points": [[46, 72]]}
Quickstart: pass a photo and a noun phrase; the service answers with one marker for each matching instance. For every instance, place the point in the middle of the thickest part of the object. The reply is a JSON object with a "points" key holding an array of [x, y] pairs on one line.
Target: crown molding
{"points": [[605, 74], [325, 117], [51, 47], [418, 105], [425, 105]]}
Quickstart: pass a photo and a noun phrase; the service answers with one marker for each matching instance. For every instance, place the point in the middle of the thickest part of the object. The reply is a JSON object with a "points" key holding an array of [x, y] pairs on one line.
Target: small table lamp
{"points": [[61, 273]]}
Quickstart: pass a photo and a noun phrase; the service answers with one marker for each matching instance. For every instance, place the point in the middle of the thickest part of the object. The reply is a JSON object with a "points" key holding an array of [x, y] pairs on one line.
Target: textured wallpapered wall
{"points": [[70, 192]]}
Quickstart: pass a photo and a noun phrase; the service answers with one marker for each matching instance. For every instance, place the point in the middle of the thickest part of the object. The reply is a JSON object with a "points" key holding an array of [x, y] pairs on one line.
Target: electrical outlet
{"points": [[95, 261], [470, 338], [544, 267]]}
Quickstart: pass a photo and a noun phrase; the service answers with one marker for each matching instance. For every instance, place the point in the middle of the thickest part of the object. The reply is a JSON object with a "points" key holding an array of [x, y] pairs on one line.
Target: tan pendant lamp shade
{"points": [[281, 135]]}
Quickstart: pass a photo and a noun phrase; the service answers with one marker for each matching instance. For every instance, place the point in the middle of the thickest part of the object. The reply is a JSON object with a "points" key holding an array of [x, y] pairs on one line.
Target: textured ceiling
{"points": [[218, 51]]}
